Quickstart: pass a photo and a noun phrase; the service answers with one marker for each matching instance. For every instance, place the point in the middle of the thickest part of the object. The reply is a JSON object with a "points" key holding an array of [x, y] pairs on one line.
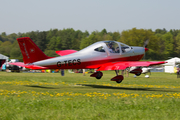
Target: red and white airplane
{"points": [[103, 55]]}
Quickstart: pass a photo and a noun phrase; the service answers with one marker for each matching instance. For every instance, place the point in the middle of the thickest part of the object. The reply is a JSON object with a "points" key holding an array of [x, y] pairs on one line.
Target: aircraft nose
{"points": [[146, 49]]}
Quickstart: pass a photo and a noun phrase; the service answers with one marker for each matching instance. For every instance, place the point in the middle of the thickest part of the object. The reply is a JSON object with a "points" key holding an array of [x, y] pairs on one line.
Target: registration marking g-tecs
{"points": [[69, 62]]}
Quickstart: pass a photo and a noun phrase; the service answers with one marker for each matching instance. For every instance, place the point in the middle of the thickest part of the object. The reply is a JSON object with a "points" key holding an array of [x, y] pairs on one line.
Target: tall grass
{"points": [[74, 96]]}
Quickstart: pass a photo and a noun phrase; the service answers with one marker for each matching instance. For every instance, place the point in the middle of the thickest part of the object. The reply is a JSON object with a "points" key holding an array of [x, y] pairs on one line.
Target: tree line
{"points": [[162, 43]]}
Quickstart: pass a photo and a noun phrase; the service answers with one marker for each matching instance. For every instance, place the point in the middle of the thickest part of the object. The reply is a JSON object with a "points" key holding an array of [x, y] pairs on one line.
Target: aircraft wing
{"points": [[123, 65], [65, 52], [34, 67]]}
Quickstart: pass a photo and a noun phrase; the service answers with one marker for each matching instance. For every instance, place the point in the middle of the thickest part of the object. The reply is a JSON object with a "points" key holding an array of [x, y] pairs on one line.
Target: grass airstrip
{"points": [[50, 96]]}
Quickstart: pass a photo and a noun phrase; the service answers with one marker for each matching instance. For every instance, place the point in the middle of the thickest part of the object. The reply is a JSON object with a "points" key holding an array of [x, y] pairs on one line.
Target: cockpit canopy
{"points": [[113, 47], [125, 48]]}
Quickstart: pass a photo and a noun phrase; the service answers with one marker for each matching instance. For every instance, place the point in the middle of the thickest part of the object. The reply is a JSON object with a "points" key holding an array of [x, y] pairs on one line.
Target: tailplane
{"points": [[30, 51]]}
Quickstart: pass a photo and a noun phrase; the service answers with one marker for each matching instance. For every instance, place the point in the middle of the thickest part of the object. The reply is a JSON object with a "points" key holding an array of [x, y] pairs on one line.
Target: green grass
{"points": [[50, 96]]}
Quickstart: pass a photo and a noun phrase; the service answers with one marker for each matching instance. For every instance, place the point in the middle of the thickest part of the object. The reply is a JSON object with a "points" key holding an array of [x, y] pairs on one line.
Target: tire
{"points": [[138, 74], [99, 75], [119, 81]]}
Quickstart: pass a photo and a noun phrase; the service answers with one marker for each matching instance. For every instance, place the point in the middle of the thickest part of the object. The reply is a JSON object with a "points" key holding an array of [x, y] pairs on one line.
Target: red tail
{"points": [[30, 51]]}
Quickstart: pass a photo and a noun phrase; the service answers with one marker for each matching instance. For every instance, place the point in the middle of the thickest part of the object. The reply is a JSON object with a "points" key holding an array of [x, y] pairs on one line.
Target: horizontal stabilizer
{"points": [[65, 52], [21, 64], [33, 67]]}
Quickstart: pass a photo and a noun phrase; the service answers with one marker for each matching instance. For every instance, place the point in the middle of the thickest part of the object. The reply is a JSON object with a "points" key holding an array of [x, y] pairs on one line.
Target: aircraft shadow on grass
{"points": [[109, 87], [37, 86], [126, 88]]}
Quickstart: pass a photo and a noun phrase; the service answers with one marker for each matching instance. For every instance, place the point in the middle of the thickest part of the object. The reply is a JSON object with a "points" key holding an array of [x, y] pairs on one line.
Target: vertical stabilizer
{"points": [[30, 51]]}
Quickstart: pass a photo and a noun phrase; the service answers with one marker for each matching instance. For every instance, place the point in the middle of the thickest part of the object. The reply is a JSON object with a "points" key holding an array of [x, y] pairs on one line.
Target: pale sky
{"points": [[91, 15]]}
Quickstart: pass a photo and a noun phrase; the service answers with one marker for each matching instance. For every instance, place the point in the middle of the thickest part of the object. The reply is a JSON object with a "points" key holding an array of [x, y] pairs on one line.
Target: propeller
{"points": [[146, 43], [145, 47]]}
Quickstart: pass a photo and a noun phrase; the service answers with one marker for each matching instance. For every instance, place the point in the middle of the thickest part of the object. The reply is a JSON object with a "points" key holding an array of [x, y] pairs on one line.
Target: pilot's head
{"points": [[110, 45]]}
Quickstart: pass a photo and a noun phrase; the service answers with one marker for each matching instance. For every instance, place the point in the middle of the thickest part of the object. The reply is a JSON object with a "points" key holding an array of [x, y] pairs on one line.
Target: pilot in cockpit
{"points": [[111, 48], [117, 50]]}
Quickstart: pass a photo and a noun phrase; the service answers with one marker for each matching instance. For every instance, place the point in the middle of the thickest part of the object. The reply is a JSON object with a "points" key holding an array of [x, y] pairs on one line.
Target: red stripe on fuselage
{"points": [[88, 65]]}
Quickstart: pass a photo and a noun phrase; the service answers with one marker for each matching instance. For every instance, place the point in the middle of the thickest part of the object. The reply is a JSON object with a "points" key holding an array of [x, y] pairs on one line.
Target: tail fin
{"points": [[30, 51]]}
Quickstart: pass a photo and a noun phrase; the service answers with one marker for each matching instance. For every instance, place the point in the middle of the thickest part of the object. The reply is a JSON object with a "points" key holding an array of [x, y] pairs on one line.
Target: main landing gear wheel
{"points": [[118, 78], [97, 75], [138, 74], [119, 81]]}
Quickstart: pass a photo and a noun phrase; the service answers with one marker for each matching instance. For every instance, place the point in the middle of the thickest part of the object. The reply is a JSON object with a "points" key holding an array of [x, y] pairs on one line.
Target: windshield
{"points": [[125, 48]]}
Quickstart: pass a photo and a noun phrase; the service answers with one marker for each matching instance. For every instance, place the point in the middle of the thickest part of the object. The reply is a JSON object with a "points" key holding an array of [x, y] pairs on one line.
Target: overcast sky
{"points": [[113, 15]]}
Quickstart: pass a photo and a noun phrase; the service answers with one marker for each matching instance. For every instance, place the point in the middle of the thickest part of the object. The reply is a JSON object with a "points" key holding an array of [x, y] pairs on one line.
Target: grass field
{"points": [[50, 96]]}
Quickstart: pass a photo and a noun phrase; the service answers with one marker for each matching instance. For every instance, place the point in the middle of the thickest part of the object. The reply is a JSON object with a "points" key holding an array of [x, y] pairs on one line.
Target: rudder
{"points": [[30, 51]]}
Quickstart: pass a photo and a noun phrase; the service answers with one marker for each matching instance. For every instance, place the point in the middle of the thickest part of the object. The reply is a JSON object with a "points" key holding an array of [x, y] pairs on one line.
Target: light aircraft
{"points": [[103, 55]]}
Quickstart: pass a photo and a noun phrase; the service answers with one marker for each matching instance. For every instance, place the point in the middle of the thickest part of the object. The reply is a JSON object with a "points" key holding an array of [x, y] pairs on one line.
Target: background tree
{"points": [[5, 48], [177, 49], [94, 37], [168, 44], [160, 31], [135, 37], [15, 51]]}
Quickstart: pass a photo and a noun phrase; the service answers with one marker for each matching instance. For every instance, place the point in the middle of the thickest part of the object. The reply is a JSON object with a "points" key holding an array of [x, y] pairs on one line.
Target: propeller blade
{"points": [[146, 43], [145, 47]]}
